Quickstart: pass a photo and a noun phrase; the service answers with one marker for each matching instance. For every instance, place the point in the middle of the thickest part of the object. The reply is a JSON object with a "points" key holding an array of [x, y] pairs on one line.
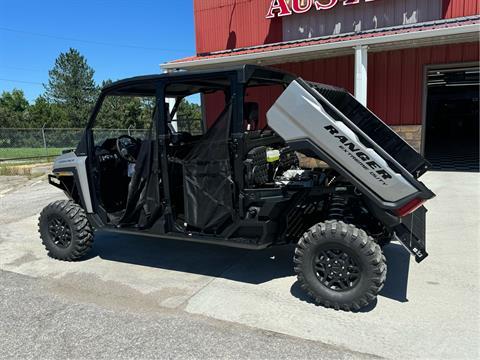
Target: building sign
{"points": [[289, 7]]}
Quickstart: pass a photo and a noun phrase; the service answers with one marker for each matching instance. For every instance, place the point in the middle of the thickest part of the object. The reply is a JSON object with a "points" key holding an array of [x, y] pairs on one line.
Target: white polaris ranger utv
{"points": [[241, 184]]}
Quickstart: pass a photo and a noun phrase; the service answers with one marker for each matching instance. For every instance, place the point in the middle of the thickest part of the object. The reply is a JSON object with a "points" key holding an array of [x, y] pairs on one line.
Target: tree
{"points": [[189, 110], [38, 114], [121, 112], [71, 85], [189, 117], [43, 113], [12, 107], [14, 101]]}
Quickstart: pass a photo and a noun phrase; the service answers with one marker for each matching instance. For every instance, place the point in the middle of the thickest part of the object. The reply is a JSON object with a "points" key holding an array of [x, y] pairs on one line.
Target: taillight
{"points": [[410, 207]]}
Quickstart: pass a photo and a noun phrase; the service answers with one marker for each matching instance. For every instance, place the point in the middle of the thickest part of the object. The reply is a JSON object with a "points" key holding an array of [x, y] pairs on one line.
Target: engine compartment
{"points": [[278, 167]]}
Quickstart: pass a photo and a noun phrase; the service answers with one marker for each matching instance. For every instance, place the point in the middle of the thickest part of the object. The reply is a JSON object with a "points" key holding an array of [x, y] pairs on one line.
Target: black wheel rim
{"points": [[59, 231], [337, 269]]}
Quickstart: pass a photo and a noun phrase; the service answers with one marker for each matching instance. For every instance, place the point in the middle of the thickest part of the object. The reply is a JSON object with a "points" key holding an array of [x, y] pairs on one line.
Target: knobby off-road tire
{"points": [[339, 266], [65, 230]]}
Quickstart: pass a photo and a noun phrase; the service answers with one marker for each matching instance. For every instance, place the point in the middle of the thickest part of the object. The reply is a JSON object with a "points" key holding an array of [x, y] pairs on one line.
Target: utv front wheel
{"points": [[65, 230], [340, 266]]}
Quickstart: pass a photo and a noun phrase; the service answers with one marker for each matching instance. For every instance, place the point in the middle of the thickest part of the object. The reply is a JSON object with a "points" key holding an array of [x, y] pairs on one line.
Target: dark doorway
{"points": [[452, 119]]}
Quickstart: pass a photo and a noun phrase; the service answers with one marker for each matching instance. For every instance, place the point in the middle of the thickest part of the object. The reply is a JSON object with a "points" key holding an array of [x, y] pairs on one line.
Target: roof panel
{"points": [[419, 27]]}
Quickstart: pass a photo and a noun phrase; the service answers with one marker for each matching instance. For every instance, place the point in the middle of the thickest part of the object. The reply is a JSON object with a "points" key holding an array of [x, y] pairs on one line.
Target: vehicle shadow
{"points": [[300, 294], [248, 266], [396, 284], [254, 267]]}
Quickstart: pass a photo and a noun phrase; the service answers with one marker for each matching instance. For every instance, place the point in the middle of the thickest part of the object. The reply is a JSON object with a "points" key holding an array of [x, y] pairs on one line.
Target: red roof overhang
{"points": [[445, 30]]}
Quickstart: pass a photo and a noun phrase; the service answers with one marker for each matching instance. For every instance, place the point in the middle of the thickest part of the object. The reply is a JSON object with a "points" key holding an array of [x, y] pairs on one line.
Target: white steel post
{"points": [[361, 66], [171, 104], [44, 139]]}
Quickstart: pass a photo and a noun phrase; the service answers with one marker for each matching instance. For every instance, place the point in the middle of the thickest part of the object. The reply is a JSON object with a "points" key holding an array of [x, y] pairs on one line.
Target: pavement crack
{"points": [[225, 270]]}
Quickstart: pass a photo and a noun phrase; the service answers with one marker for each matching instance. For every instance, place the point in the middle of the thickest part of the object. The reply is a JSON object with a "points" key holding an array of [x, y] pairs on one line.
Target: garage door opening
{"points": [[452, 119]]}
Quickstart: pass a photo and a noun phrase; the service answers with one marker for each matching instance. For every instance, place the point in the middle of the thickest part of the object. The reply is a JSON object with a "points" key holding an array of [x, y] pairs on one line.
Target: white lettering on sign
{"points": [[288, 7], [326, 4]]}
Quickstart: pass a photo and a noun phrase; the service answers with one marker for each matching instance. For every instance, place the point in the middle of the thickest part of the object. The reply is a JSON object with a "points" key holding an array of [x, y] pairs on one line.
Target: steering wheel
{"points": [[128, 148]]}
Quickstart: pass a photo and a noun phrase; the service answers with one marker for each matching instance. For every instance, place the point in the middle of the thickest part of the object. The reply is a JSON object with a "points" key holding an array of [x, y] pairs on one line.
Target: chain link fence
{"points": [[25, 144]]}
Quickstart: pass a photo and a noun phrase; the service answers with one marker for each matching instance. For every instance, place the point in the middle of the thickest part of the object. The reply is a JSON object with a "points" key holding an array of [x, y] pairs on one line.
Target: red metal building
{"points": [[413, 62]]}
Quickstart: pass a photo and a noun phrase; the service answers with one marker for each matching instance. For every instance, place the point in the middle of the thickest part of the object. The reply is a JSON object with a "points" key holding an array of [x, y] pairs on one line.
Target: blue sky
{"points": [[136, 36]]}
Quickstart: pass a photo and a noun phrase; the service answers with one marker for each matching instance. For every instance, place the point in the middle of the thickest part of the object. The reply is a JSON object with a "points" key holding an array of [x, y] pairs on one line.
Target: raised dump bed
{"points": [[374, 128], [331, 124]]}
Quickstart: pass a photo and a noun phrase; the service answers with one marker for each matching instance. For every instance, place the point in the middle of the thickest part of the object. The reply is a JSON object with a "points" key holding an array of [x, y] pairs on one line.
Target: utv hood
{"points": [[330, 124]]}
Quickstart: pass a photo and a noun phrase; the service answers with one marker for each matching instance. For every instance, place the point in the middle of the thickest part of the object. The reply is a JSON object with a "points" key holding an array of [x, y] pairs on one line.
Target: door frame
{"points": [[163, 133], [426, 69]]}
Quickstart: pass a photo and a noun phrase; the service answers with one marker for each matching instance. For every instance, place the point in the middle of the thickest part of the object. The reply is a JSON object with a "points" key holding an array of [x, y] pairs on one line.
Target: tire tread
{"points": [[358, 240], [82, 232]]}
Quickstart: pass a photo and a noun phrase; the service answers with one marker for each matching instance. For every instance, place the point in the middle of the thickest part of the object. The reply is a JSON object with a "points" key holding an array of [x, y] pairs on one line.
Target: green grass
{"points": [[12, 153]]}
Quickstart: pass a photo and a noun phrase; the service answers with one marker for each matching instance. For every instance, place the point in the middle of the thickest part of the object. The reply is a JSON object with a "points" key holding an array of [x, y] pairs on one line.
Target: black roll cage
{"points": [[237, 80], [151, 86]]}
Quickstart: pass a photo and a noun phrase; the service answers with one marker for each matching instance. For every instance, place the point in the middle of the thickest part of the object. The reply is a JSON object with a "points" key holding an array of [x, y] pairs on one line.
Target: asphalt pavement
{"points": [[142, 297], [37, 323]]}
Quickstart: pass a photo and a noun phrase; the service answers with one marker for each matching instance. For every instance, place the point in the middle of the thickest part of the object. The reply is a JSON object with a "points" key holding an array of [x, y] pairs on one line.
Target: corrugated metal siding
{"points": [[265, 97], [395, 79], [363, 16], [214, 104], [459, 8], [228, 24], [338, 71]]}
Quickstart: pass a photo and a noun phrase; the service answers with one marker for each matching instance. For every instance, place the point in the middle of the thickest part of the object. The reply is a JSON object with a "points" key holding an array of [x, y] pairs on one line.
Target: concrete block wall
{"points": [[410, 133]]}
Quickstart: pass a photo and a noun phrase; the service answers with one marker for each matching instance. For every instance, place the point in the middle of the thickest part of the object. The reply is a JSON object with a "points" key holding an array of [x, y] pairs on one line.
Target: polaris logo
{"points": [[359, 156]]}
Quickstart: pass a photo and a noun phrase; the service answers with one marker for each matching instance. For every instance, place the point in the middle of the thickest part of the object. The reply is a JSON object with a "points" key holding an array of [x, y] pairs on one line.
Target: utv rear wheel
{"points": [[340, 266], [65, 231]]}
